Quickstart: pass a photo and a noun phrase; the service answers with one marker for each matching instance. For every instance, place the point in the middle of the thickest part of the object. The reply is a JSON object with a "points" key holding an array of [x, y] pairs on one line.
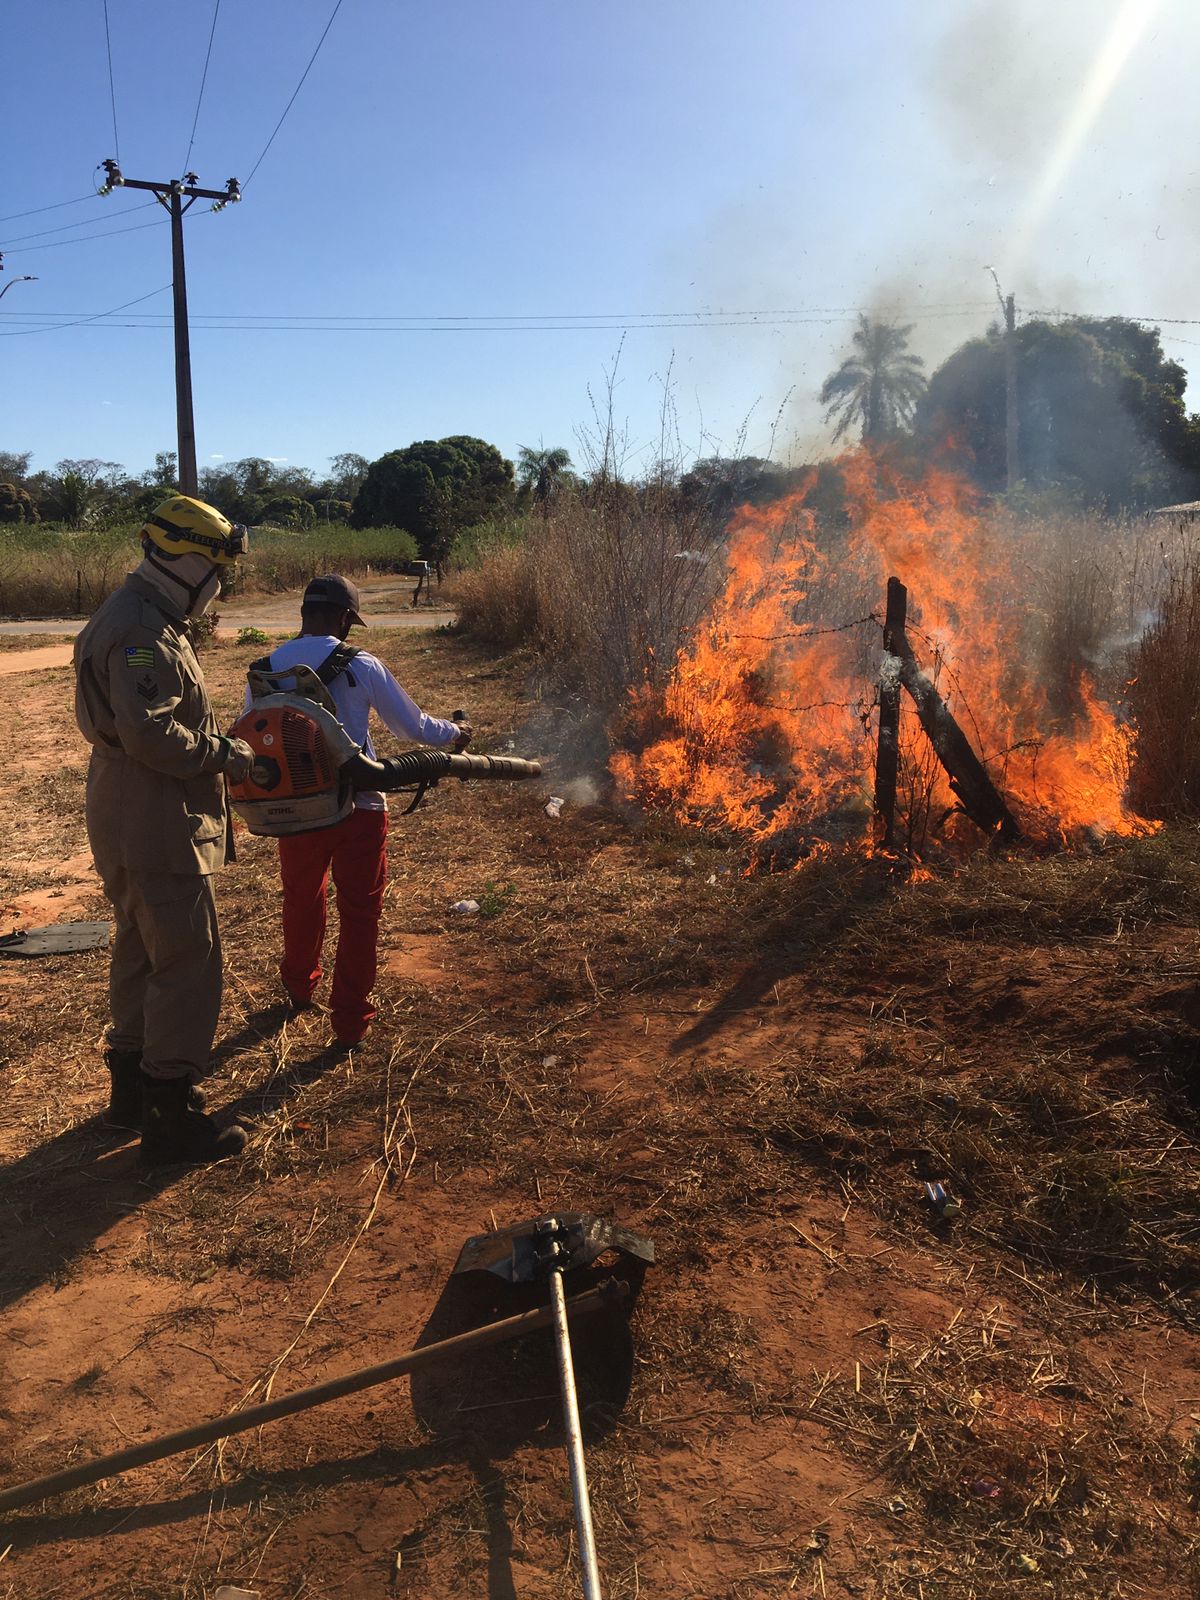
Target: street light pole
{"points": [[26, 277], [171, 195]]}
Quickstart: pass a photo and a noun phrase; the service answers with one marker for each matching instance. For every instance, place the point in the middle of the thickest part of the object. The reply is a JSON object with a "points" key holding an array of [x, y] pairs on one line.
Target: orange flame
{"points": [[767, 725]]}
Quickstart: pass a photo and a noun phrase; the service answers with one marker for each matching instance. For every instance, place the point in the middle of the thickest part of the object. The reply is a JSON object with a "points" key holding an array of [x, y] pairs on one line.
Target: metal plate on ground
{"points": [[56, 939], [515, 1253]]}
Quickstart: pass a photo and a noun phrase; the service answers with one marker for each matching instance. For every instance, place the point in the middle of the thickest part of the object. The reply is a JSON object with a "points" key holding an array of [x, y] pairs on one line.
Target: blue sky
{"points": [[629, 163]]}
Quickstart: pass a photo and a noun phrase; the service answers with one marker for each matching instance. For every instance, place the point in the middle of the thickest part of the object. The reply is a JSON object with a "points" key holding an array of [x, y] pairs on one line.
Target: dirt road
{"points": [[386, 604]]}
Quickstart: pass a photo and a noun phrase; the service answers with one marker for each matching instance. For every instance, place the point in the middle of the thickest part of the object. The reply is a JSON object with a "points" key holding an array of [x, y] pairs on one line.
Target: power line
{"points": [[59, 244], [211, 325], [817, 314], [57, 327], [295, 92], [112, 93], [15, 216], [68, 226], [1104, 316], [203, 81]]}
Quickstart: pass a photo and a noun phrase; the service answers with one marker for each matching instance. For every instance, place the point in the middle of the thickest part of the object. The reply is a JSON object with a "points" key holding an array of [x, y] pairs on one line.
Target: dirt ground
{"points": [[823, 1387]]}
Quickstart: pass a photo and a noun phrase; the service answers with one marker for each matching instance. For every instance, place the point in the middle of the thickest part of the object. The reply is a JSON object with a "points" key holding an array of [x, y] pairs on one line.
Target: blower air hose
{"points": [[421, 768]]}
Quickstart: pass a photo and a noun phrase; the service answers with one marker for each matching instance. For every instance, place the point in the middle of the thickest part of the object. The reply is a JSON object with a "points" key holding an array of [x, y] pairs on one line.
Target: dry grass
{"points": [[49, 572], [1165, 693], [757, 1071], [29, 641], [603, 589]]}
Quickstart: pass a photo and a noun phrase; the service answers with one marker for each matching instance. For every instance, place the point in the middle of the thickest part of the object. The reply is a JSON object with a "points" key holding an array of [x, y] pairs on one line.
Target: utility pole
{"points": [[1012, 451], [171, 195]]}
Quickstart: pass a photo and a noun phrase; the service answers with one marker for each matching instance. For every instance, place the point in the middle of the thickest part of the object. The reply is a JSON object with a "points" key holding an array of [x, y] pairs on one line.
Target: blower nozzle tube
{"points": [[424, 767]]}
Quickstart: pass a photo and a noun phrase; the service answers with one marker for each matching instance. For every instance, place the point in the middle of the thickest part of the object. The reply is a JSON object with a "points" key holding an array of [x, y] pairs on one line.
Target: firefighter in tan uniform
{"points": [[158, 827]]}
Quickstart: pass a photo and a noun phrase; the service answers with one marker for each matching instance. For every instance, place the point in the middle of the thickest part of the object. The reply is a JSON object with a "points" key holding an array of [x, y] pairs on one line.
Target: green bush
{"points": [[473, 546]]}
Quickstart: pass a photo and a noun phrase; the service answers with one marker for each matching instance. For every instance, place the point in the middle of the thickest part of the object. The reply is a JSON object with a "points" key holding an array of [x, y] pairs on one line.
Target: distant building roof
{"points": [[1189, 511]]}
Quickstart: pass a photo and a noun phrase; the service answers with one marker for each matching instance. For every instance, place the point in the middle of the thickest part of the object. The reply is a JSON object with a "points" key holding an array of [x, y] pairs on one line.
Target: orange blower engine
{"points": [[300, 779], [307, 768]]}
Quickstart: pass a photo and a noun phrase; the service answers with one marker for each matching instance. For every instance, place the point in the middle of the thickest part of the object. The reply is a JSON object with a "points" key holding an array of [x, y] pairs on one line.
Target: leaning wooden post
{"points": [[980, 798], [887, 755]]}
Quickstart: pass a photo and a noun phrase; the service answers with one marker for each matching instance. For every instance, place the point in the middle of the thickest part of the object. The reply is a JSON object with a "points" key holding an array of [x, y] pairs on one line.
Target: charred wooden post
{"points": [[887, 755], [980, 798]]}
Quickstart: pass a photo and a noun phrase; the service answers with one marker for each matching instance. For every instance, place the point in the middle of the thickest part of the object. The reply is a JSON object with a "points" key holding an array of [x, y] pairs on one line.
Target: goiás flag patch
{"points": [[139, 657]]}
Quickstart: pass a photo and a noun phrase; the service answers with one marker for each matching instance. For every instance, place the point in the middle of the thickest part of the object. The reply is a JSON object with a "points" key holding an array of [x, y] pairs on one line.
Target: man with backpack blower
{"points": [[354, 849]]}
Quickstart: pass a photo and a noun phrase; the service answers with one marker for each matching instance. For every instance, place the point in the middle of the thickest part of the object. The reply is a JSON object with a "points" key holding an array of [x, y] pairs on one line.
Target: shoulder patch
{"points": [[138, 657]]}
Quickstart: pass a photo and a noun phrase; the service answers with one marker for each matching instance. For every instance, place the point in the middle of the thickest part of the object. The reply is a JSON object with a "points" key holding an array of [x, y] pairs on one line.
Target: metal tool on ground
{"points": [[171, 1444], [542, 1251]]}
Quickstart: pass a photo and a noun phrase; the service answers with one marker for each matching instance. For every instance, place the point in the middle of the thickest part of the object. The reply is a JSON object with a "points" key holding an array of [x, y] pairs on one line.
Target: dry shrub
{"points": [[1165, 694], [621, 584], [47, 571], [289, 558], [605, 589], [498, 600]]}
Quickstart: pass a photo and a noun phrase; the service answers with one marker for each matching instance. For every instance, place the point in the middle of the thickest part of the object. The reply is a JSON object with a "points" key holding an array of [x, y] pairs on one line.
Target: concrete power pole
{"points": [[1012, 443], [171, 196]]}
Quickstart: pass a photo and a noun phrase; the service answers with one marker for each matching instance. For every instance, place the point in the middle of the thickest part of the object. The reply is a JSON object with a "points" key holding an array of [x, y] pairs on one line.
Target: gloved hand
{"points": [[238, 761], [465, 731]]}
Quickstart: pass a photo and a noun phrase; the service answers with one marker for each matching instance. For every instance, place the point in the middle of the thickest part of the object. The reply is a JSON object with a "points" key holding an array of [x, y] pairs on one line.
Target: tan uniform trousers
{"points": [[165, 979]]}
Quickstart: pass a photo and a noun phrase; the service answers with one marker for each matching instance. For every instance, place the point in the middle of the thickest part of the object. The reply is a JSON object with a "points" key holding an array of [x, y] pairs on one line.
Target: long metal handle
{"points": [[170, 1444], [579, 1484]]}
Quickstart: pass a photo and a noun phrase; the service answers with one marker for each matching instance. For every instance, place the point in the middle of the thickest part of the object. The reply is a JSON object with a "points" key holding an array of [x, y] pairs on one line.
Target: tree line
{"points": [[433, 489], [1101, 410], [1103, 422]]}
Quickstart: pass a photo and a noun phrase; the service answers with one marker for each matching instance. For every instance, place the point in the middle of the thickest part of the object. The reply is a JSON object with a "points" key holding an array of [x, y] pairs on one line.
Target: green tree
{"points": [[164, 474], [288, 511], [16, 504], [878, 387], [1101, 412], [346, 474], [433, 489], [715, 486], [540, 471]]}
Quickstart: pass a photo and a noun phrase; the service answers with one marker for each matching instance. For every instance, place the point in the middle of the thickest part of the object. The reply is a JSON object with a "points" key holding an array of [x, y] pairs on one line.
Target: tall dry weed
{"points": [[1165, 697], [51, 572]]}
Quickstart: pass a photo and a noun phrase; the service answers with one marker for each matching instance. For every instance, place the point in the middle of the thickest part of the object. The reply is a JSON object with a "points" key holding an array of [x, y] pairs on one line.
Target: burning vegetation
{"points": [[768, 727]]}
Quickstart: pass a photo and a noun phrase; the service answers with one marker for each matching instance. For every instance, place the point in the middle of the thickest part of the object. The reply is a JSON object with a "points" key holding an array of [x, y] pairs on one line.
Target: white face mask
{"points": [[191, 579], [207, 593]]}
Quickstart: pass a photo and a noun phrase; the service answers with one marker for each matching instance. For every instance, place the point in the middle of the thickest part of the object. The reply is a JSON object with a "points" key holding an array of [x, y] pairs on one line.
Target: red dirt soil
{"points": [[612, 1033]]}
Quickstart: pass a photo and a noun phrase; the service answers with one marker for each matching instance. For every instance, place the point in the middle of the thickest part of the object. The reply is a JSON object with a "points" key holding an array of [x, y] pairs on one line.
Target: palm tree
{"points": [[878, 386], [539, 470]]}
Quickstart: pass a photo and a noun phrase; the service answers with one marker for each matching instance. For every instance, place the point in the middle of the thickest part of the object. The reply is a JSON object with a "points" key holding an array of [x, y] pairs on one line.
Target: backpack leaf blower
{"points": [[307, 768]]}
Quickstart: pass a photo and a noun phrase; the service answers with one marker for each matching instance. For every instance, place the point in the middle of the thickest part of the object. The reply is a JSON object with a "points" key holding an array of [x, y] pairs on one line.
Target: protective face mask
{"points": [[191, 578], [206, 594]]}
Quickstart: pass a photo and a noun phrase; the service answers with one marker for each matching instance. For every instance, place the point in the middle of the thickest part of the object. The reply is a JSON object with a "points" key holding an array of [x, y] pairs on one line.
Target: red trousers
{"points": [[356, 852]]}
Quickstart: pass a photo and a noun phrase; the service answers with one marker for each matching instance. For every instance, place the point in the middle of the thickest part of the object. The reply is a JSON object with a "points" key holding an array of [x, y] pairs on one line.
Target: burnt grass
{"points": [[1026, 1031]]}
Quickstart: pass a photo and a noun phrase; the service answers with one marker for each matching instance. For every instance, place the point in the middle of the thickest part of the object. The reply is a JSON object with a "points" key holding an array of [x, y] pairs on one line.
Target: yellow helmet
{"points": [[182, 526]]}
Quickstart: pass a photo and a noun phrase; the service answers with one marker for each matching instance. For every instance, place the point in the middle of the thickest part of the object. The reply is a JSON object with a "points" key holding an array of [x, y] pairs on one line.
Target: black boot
{"points": [[125, 1099], [172, 1131]]}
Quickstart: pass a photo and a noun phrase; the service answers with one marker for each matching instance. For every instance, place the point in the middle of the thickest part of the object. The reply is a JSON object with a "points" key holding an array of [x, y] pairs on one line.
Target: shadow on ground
{"points": [[834, 898]]}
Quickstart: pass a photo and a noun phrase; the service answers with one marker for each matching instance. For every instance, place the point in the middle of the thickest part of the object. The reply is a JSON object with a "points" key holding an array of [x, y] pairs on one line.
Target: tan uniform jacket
{"points": [[155, 793]]}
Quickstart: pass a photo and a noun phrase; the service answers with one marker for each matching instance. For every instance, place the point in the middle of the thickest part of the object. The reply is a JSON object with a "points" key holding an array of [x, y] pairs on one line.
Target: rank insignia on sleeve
{"points": [[147, 686], [138, 657]]}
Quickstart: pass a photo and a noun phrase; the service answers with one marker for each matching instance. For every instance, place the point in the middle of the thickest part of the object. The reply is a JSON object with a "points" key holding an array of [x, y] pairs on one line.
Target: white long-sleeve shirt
{"points": [[365, 686]]}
